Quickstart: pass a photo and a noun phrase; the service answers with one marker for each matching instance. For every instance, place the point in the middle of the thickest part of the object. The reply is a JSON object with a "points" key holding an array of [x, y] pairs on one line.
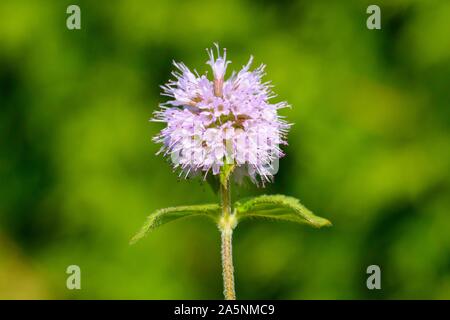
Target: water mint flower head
{"points": [[214, 122]]}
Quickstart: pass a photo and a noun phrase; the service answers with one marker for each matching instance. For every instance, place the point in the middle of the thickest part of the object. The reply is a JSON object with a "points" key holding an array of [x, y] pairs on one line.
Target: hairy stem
{"points": [[227, 223], [227, 265]]}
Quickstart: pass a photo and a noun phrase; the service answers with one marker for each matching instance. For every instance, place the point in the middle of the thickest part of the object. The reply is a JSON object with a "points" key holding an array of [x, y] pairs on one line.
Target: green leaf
{"points": [[278, 207], [162, 216]]}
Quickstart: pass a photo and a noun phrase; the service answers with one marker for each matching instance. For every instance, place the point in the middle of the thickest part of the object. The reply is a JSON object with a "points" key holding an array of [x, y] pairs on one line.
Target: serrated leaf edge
{"points": [[244, 210], [154, 219]]}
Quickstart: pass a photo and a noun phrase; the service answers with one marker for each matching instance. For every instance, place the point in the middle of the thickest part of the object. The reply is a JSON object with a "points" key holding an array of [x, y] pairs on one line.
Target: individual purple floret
{"points": [[211, 123]]}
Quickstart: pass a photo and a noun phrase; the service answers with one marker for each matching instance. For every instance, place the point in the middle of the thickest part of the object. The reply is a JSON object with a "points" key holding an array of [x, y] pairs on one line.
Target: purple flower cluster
{"points": [[211, 123]]}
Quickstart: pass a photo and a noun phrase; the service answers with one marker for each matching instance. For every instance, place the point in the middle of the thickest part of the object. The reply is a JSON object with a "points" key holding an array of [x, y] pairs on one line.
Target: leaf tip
{"points": [[323, 223], [133, 240]]}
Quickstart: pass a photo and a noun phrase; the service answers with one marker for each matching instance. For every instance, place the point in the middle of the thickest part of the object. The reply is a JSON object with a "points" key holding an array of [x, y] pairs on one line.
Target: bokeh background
{"points": [[369, 149]]}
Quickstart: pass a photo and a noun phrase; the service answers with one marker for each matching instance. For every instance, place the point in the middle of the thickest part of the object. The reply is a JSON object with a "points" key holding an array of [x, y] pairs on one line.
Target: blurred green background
{"points": [[369, 149]]}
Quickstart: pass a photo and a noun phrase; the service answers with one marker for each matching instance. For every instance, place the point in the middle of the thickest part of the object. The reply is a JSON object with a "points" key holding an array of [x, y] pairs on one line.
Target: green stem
{"points": [[227, 223]]}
